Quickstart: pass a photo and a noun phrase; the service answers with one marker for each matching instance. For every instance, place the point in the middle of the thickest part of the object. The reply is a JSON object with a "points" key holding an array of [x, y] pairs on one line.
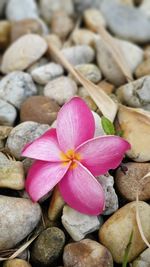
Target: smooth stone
{"points": [[56, 205], [47, 7], [18, 10], [16, 263], [147, 52], [130, 181], [86, 253], [107, 63], [16, 87], [5, 30], [107, 87], [46, 73], [39, 63], [40, 109], [135, 94], [77, 224], [93, 18], [90, 102], [143, 68], [23, 216], [81, 5], [143, 260], [126, 22], [83, 37], [140, 263], [79, 54], [4, 131], [48, 247], [61, 89], [111, 198], [58, 19], [23, 52], [53, 39], [145, 7], [90, 72], [8, 113], [22, 134], [135, 126], [116, 231], [98, 125]]}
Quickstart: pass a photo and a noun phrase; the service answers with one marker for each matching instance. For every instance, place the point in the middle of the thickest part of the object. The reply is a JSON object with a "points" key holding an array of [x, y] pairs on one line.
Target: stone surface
{"points": [[48, 246], [107, 63], [8, 113], [78, 225], [17, 87], [18, 217], [61, 89], [47, 7], [93, 18], [11, 173], [54, 39], [23, 52], [79, 54], [56, 205], [90, 71], [135, 126], [2, 6], [87, 253], [22, 134], [5, 29], [111, 199], [135, 94], [98, 126], [143, 68], [129, 182], [126, 22], [16, 263], [4, 131], [40, 109], [46, 73], [81, 5], [143, 260], [17, 10], [116, 231], [83, 37]]}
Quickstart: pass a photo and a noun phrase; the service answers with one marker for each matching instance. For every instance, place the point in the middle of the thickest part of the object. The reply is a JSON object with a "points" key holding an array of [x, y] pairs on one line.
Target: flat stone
{"points": [[16, 263], [116, 231], [23, 216], [129, 182], [61, 89], [23, 52], [87, 253], [17, 87], [18, 10], [46, 73], [5, 30], [77, 224], [22, 134], [8, 113]]}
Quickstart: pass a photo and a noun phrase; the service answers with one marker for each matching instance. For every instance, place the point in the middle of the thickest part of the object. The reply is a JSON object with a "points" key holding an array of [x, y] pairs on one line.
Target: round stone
{"points": [[16, 263], [8, 113]]}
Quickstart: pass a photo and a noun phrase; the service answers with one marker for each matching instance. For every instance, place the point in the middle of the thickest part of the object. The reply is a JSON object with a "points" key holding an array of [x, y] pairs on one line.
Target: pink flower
{"points": [[70, 157]]}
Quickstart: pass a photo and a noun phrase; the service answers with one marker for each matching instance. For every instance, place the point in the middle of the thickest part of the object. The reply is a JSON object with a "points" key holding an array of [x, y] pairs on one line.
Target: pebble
{"points": [[90, 72], [16, 87], [61, 89], [16, 263], [98, 126], [18, 10], [107, 64], [58, 19], [4, 131], [22, 134], [23, 52], [48, 247], [87, 253], [91, 104], [111, 198], [116, 231], [40, 109], [93, 18], [5, 30], [143, 260], [79, 54], [54, 39], [2, 6], [47, 7], [122, 20], [46, 73], [81, 5], [11, 173], [135, 94], [56, 205], [18, 218], [8, 113], [129, 182], [83, 37], [143, 68], [135, 126], [77, 224], [39, 63], [145, 7]]}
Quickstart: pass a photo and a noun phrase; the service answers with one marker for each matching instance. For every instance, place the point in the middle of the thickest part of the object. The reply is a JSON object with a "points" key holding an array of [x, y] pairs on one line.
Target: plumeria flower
{"points": [[71, 157]]}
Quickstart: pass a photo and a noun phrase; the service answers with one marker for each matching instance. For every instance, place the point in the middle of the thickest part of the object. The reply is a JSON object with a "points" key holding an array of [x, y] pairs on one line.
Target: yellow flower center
{"points": [[70, 156]]}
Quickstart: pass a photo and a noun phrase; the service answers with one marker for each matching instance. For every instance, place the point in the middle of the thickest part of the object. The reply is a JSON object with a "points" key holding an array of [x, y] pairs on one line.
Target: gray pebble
{"points": [[8, 113]]}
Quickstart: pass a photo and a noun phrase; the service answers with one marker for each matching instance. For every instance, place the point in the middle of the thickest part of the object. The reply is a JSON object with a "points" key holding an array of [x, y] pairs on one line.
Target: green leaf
{"points": [[127, 250], [108, 126], [119, 133]]}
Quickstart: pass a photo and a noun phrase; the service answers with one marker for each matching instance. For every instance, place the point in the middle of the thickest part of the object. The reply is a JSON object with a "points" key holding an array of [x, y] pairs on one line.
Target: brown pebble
{"points": [[40, 109], [5, 29], [16, 263]]}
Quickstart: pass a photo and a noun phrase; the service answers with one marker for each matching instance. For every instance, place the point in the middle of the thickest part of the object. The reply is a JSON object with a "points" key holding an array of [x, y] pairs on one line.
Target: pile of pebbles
{"points": [[33, 87]]}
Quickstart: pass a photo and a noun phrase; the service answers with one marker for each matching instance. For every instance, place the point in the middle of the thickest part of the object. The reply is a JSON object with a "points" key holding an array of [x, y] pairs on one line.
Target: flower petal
{"points": [[42, 177], [81, 191], [44, 148], [75, 124], [103, 153]]}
